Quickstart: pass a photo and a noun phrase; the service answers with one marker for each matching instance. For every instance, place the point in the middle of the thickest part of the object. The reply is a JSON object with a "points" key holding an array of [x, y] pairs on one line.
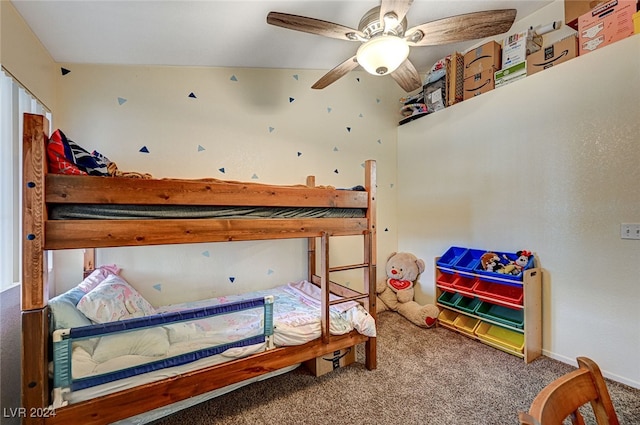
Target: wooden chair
{"points": [[562, 398]]}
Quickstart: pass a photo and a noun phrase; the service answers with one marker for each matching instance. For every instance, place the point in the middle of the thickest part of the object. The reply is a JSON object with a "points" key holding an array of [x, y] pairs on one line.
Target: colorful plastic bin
{"points": [[447, 317], [469, 260], [499, 293], [497, 313], [449, 298], [446, 281], [467, 304], [449, 258], [505, 257], [500, 337], [465, 285], [466, 324]]}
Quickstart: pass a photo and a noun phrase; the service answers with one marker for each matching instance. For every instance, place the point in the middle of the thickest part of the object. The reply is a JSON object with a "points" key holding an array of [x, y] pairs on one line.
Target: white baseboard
{"points": [[606, 374]]}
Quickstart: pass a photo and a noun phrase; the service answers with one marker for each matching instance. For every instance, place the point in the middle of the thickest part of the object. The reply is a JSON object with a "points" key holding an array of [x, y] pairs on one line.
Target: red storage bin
{"points": [[446, 281], [465, 285], [502, 294]]}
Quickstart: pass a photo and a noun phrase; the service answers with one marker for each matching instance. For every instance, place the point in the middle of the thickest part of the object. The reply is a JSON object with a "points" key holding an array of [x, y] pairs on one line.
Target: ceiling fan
{"points": [[386, 38]]}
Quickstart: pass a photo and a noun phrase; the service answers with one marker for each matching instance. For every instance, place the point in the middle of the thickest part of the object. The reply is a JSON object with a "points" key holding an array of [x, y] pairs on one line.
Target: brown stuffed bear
{"points": [[397, 292]]}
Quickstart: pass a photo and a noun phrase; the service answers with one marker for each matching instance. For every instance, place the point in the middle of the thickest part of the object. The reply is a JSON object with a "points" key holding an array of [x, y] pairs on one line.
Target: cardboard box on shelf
{"points": [[555, 54], [479, 83], [509, 75], [516, 47], [330, 361], [605, 24], [573, 9], [482, 58]]}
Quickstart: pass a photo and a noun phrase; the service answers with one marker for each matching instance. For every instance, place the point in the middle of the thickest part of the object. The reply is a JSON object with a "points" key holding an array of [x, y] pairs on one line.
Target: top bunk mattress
{"points": [[146, 212]]}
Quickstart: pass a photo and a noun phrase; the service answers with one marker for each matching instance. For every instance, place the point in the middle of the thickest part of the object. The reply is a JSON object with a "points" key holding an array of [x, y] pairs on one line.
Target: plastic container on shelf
{"points": [[500, 337], [446, 281], [505, 257], [497, 313], [466, 324], [449, 298], [467, 304], [447, 317], [469, 260], [465, 285], [499, 293], [449, 258]]}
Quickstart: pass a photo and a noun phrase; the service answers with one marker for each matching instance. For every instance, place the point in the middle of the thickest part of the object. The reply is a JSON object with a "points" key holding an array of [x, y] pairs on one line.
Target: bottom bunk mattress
{"points": [[296, 320]]}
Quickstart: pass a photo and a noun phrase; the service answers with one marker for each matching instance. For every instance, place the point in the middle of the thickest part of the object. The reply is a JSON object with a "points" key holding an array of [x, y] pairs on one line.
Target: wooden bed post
{"points": [[311, 242], [324, 287], [371, 252], [35, 288]]}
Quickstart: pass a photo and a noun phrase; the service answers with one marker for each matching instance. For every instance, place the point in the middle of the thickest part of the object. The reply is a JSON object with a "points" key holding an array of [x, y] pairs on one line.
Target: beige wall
{"points": [[548, 164], [24, 57], [258, 125]]}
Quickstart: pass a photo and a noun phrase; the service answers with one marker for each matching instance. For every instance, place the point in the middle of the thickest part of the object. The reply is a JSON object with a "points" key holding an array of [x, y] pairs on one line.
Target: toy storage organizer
{"points": [[503, 311]]}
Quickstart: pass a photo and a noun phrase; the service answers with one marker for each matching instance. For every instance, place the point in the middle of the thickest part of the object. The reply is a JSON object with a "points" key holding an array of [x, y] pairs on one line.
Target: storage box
{"points": [[447, 317], [465, 285], [449, 258], [497, 313], [498, 293], [558, 52], [446, 281], [479, 83], [636, 22], [466, 324], [468, 260], [454, 78], [500, 337], [435, 95], [605, 24], [449, 298], [483, 58], [516, 47], [325, 364], [573, 9], [510, 74], [467, 304]]}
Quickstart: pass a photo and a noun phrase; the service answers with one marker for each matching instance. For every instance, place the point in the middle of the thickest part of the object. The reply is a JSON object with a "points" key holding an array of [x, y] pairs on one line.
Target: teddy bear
{"points": [[396, 293]]}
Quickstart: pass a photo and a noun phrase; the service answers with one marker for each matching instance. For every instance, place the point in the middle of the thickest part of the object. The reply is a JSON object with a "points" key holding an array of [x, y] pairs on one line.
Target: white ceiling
{"points": [[223, 33]]}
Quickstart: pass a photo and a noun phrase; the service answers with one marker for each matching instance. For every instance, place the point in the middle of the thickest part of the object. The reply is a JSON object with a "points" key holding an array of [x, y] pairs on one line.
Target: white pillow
{"points": [[152, 342], [112, 300]]}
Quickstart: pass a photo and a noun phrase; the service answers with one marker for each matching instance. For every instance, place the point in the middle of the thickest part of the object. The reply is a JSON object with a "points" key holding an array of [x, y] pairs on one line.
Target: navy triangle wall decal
{"points": [[144, 149], [64, 71], [191, 95]]}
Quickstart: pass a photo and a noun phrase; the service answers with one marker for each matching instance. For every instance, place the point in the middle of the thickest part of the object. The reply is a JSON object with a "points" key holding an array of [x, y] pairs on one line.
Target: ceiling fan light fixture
{"points": [[382, 54]]}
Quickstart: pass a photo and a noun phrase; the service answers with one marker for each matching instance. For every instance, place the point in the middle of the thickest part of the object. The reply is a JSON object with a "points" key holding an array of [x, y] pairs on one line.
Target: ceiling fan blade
{"points": [[397, 7], [314, 26], [469, 26], [336, 73], [407, 76]]}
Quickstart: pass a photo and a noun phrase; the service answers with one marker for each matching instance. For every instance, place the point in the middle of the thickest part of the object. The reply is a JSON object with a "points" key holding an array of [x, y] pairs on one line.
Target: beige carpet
{"points": [[424, 376]]}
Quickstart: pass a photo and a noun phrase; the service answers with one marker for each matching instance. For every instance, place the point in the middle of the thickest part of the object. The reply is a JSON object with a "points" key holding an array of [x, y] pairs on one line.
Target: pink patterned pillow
{"points": [[97, 276], [112, 300]]}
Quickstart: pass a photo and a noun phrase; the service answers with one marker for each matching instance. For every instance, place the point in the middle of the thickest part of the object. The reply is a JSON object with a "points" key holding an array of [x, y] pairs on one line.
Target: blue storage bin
{"points": [[505, 258], [449, 258], [469, 260]]}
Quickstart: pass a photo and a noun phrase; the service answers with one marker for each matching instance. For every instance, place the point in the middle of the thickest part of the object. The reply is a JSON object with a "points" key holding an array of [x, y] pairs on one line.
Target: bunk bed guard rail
{"points": [[63, 340]]}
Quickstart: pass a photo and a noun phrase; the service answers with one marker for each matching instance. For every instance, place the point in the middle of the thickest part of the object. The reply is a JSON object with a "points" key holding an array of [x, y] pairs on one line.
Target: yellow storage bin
{"points": [[447, 317], [636, 22], [466, 324], [500, 337]]}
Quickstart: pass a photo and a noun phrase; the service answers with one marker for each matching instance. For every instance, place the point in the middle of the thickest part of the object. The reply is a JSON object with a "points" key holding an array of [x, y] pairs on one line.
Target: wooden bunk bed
{"points": [[42, 190]]}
